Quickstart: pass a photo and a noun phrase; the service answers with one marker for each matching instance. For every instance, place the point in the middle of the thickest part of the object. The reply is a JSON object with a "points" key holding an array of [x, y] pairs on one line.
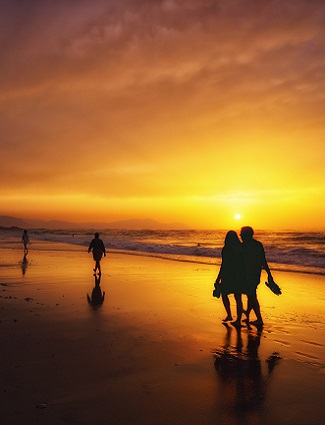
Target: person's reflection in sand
{"points": [[24, 264], [97, 296], [243, 385]]}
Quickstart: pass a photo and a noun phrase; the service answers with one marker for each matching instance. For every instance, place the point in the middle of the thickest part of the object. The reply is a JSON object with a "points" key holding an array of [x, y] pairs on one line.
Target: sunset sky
{"points": [[186, 111]]}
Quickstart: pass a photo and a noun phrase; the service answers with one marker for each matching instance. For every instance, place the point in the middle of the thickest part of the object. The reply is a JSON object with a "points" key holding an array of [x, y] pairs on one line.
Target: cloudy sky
{"points": [[182, 111]]}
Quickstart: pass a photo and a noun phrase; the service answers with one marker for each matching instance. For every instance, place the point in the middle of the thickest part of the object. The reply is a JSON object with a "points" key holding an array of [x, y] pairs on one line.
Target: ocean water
{"points": [[285, 250]]}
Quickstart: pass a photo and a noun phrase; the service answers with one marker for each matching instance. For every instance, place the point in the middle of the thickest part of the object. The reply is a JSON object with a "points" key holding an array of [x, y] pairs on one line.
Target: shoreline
{"points": [[155, 351], [202, 260]]}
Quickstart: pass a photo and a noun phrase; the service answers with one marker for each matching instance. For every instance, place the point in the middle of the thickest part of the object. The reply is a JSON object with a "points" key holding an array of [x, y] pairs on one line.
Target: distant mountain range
{"points": [[132, 224]]}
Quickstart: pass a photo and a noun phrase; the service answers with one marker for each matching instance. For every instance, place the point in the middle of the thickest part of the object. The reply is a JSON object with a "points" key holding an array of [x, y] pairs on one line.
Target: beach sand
{"points": [[155, 351]]}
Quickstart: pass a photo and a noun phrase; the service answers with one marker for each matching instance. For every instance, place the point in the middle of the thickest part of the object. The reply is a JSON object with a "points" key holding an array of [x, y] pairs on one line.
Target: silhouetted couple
{"points": [[240, 273]]}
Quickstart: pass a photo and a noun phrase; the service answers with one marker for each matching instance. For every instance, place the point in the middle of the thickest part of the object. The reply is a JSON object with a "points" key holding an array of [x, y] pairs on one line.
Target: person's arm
{"points": [[266, 267], [218, 284], [103, 249], [219, 277], [90, 246]]}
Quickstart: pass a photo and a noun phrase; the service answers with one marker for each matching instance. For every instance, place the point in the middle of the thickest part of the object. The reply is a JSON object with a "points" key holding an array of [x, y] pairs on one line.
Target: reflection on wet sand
{"points": [[24, 263], [97, 296], [242, 382]]}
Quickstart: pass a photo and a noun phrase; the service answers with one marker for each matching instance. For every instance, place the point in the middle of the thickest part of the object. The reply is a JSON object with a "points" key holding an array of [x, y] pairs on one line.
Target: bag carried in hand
{"points": [[217, 291]]}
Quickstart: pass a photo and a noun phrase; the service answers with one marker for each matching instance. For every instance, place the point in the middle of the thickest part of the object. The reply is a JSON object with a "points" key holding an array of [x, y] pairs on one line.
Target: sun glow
{"points": [[237, 216]]}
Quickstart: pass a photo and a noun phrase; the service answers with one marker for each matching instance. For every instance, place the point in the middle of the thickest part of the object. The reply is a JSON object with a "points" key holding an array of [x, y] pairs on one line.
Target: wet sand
{"points": [[155, 351]]}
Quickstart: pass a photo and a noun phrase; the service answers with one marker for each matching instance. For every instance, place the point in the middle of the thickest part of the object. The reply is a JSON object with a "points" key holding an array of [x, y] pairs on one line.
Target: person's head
{"points": [[96, 235], [231, 238], [246, 233]]}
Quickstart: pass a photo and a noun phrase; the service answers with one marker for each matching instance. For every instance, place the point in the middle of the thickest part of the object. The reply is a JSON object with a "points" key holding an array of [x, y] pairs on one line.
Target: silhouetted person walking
{"points": [[25, 240], [253, 262], [230, 277], [98, 248]]}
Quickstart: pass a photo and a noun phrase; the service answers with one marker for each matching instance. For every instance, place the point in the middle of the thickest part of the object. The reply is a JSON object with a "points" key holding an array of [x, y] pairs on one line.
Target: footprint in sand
{"points": [[282, 342], [307, 356], [312, 343]]}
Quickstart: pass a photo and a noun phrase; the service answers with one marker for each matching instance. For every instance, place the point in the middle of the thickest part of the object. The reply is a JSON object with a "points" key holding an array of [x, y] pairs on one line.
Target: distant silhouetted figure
{"points": [[253, 261], [230, 277], [98, 248], [97, 297], [25, 240]]}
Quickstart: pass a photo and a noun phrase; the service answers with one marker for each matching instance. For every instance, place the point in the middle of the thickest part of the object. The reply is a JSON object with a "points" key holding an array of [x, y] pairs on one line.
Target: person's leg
{"points": [[239, 307], [256, 308], [97, 266], [226, 303], [251, 295]]}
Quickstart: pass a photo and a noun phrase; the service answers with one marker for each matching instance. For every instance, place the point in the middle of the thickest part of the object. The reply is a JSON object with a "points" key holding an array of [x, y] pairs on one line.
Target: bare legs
{"points": [[226, 303], [97, 267], [239, 308], [253, 304]]}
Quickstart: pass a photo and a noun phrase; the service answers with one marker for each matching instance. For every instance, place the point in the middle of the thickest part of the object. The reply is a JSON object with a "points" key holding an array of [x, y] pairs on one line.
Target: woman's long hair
{"points": [[232, 239]]}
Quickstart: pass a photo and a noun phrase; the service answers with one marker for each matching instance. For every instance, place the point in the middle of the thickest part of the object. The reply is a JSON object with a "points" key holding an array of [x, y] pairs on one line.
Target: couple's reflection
{"points": [[97, 296], [242, 381], [24, 263]]}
